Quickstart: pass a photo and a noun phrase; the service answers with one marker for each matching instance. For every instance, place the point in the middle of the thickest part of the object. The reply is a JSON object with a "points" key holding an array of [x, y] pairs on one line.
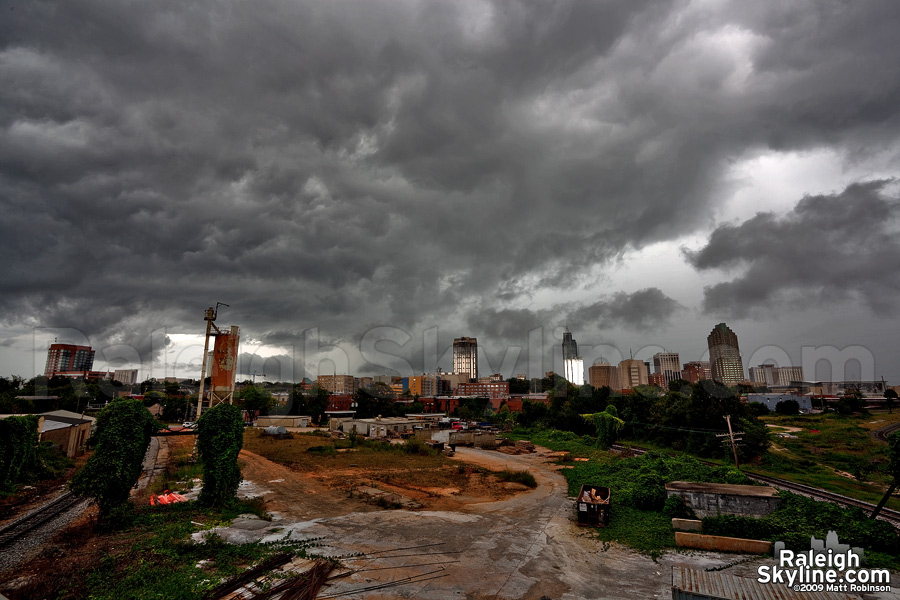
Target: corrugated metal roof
{"points": [[730, 587]]}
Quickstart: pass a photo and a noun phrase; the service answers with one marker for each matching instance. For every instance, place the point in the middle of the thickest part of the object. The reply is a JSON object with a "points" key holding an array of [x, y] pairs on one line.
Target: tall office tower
{"points": [[668, 364], [63, 358], [632, 373], [603, 375], [573, 365], [770, 375], [725, 355], [465, 356]]}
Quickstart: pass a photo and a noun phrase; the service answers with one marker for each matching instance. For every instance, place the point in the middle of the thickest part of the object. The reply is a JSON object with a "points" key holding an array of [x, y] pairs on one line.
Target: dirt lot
{"points": [[525, 545], [306, 485]]}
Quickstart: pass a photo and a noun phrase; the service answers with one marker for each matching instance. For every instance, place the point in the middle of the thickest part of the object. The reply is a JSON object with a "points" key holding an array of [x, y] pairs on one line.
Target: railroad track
{"points": [[22, 527], [883, 433], [887, 514]]}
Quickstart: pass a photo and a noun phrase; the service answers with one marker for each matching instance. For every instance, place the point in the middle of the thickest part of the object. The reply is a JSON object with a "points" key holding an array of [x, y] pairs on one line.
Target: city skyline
{"points": [[363, 182]]}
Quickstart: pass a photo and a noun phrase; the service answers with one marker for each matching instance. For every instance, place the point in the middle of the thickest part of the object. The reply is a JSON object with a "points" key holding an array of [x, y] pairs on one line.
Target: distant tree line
{"points": [[688, 417]]}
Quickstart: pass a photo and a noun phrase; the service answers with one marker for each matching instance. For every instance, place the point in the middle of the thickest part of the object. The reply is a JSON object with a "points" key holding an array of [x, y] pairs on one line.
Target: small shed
{"points": [[713, 499], [283, 421]]}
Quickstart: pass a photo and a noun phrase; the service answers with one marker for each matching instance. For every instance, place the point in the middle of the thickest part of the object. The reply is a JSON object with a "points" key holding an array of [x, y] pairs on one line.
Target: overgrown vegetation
{"points": [[148, 553], [798, 518], [123, 433], [18, 452], [220, 436], [640, 515]]}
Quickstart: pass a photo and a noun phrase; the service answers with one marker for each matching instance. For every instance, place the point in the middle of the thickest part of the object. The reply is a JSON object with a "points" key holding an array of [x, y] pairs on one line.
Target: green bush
{"points": [[416, 446], [220, 436], [647, 493], [123, 434], [523, 477], [675, 508]]}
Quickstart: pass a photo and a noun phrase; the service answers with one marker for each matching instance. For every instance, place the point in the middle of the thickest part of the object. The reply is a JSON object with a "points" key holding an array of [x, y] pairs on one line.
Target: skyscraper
{"points": [[573, 365], [68, 358], [632, 373], [725, 355], [668, 364], [603, 374], [465, 356]]}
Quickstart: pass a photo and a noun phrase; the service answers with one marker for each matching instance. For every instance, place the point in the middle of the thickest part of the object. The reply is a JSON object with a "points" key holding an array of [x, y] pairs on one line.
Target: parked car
{"points": [[188, 424]]}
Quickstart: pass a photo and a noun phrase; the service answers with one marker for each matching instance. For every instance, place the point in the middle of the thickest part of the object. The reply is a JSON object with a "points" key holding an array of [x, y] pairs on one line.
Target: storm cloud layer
{"points": [[478, 166]]}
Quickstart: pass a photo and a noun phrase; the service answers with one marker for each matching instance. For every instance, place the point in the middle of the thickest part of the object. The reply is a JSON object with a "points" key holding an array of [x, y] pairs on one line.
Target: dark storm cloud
{"points": [[642, 310], [339, 165], [826, 250]]}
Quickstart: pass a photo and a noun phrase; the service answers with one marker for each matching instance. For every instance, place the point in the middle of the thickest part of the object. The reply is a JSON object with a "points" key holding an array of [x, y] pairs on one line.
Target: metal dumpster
{"points": [[592, 505]]}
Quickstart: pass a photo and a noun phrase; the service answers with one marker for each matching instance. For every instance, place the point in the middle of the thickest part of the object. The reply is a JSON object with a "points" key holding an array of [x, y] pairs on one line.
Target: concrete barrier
{"points": [[687, 524], [721, 544]]}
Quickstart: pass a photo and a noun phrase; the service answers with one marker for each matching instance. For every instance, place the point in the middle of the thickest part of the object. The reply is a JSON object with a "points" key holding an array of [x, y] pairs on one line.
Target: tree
{"points": [[788, 407], [518, 386], [123, 433], [893, 470], [757, 409], [254, 398], [220, 436], [153, 397], [608, 425], [889, 397]]}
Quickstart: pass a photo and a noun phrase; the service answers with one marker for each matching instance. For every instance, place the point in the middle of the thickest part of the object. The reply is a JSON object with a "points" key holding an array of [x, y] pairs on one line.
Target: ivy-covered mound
{"points": [[220, 437], [19, 448], [123, 433]]}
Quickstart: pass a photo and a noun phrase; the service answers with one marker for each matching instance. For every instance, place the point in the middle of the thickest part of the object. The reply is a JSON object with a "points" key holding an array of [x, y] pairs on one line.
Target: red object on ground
{"points": [[167, 498], [814, 431]]}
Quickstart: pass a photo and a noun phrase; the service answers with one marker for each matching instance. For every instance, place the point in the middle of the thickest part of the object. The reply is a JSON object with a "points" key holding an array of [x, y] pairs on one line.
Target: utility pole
{"points": [[733, 446]]}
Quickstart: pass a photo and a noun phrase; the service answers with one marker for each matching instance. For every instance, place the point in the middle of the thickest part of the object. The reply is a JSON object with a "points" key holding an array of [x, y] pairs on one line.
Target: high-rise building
{"points": [[68, 359], [426, 384], [338, 384], [770, 375], [573, 365], [632, 373], [667, 364], [603, 374], [126, 376], [725, 355], [465, 357], [696, 370]]}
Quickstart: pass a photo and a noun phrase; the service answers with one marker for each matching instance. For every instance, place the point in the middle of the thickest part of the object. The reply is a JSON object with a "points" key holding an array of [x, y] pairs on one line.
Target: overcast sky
{"points": [[361, 182]]}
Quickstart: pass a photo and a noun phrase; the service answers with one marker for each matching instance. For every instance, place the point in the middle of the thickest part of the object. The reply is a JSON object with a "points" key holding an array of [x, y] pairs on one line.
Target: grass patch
{"points": [[832, 452], [147, 552], [560, 441], [523, 477], [180, 472]]}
